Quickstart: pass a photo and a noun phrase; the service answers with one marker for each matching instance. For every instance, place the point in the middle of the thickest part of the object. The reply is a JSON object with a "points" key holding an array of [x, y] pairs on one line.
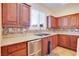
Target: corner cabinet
{"points": [[15, 15], [52, 22], [68, 41]]}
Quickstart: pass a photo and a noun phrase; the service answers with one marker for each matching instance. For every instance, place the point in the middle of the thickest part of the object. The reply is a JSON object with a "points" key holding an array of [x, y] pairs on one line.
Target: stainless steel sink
{"points": [[41, 34]]}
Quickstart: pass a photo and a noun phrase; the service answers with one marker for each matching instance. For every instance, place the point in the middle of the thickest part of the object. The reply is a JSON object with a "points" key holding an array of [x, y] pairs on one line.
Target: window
{"points": [[37, 18], [34, 17]]}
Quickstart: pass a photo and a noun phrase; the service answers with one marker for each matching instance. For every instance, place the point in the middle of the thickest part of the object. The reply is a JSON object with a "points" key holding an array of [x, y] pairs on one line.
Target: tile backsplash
{"points": [[13, 30], [24, 30]]}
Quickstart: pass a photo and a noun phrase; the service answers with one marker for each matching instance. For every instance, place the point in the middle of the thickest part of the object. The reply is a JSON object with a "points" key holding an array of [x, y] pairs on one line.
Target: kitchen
{"points": [[40, 29]]}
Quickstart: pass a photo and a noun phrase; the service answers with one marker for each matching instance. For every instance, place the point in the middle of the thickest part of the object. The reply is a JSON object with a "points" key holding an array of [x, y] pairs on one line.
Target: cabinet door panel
{"points": [[64, 41], [73, 42], [77, 20], [9, 14], [54, 22], [24, 15], [44, 46], [51, 42], [4, 51], [55, 41]]}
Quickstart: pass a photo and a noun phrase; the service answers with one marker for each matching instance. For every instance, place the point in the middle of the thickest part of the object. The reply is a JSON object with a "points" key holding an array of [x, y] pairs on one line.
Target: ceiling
{"points": [[60, 5], [58, 9]]}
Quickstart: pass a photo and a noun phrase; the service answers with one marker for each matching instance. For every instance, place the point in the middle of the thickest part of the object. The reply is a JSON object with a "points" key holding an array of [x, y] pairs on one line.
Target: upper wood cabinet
{"points": [[24, 15], [9, 14], [52, 22], [63, 22], [15, 15], [69, 21]]}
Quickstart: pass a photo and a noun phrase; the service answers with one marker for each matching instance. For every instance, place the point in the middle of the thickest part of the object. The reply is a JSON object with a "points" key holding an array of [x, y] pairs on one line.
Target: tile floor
{"points": [[60, 51]]}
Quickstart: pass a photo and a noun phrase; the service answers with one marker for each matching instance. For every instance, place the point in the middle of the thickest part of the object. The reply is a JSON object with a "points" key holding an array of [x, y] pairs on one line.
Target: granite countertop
{"points": [[17, 38]]}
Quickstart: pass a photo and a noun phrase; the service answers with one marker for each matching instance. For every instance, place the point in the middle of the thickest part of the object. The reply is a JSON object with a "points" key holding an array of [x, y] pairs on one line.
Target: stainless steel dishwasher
{"points": [[34, 48]]}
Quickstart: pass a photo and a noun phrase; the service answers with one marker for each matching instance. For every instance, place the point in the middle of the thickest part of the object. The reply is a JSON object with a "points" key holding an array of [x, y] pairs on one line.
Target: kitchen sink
{"points": [[41, 34]]}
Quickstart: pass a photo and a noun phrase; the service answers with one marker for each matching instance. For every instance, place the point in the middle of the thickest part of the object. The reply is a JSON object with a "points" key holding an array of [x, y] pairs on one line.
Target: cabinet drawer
{"points": [[15, 47], [12, 48], [21, 45], [18, 53]]}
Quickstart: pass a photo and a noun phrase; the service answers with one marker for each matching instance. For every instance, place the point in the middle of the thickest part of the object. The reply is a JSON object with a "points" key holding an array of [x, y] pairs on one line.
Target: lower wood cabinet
{"points": [[21, 52], [73, 43], [44, 46], [19, 49], [40, 46], [68, 41], [53, 41], [64, 41]]}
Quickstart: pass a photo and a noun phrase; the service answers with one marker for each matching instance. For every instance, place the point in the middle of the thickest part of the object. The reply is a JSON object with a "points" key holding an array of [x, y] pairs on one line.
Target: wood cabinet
{"points": [[69, 21], [52, 22], [24, 15], [53, 41], [19, 53], [4, 51], [73, 43], [15, 15], [9, 14], [68, 41], [64, 41], [19, 49], [44, 47], [63, 22]]}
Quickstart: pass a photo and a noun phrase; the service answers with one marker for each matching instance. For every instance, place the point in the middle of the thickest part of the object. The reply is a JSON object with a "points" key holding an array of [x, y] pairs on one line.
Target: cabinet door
{"points": [[9, 14], [64, 41], [24, 15], [73, 21], [73, 43], [4, 51], [54, 41], [44, 46], [54, 22], [59, 22], [19, 49], [51, 42], [77, 20]]}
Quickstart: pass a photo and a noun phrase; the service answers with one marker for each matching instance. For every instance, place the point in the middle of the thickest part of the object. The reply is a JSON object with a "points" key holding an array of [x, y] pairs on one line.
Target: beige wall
{"points": [[41, 8]]}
